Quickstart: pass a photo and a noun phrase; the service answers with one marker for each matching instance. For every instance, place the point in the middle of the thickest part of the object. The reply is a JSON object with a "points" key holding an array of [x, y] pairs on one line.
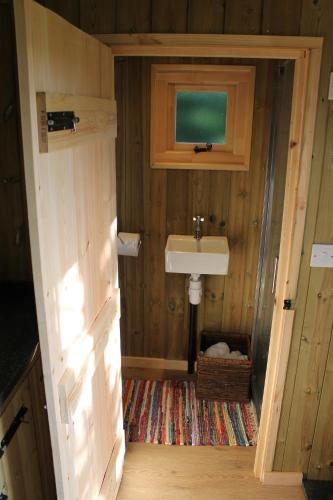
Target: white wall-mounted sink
{"points": [[185, 254]]}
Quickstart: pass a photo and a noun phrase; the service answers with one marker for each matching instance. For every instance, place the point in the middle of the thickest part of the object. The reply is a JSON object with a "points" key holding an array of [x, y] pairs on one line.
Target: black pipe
{"points": [[192, 338]]}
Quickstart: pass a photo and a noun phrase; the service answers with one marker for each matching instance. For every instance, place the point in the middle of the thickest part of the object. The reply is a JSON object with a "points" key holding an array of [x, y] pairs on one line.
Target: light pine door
{"points": [[71, 195]]}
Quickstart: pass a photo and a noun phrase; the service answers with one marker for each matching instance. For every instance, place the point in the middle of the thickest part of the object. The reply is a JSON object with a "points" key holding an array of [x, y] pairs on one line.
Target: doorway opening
{"points": [[246, 207], [304, 98]]}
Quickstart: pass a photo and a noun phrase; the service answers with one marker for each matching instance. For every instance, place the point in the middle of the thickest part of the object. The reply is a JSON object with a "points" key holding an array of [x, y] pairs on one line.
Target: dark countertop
{"points": [[318, 490], [18, 334]]}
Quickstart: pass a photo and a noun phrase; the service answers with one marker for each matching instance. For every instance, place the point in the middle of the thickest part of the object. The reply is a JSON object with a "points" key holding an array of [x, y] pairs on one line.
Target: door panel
{"points": [[73, 224], [272, 223]]}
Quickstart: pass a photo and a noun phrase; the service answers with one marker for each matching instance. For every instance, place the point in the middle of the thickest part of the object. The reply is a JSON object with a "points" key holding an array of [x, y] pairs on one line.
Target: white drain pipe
{"points": [[195, 289]]}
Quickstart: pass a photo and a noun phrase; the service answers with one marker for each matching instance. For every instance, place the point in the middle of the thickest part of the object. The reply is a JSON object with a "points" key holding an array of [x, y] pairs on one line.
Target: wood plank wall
{"points": [[305, 435], [305, 440], [158, 202], [15, 260]]}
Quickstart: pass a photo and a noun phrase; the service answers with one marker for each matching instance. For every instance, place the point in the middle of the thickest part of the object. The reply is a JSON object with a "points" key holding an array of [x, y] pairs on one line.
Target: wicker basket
{"points": [[223, 378]]}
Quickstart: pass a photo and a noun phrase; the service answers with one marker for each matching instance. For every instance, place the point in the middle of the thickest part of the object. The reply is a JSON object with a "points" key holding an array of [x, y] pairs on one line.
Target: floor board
{"points": [[156, 472]]}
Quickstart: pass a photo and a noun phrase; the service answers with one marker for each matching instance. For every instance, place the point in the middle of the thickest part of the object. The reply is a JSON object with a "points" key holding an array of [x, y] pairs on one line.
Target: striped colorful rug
{"points": [[167, 412]]}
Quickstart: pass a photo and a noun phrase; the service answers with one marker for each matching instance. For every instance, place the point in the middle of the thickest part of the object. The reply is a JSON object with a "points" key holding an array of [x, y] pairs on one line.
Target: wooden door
{"points": [[272, 223], [70, 183]]}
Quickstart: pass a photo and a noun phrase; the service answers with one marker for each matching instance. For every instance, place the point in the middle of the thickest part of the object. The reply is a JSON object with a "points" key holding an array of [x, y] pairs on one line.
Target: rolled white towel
{"points": [[235, 354], [219, 350]]}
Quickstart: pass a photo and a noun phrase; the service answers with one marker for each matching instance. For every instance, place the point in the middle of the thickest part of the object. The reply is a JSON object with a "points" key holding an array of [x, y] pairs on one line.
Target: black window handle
{"points": [[203, 149]]}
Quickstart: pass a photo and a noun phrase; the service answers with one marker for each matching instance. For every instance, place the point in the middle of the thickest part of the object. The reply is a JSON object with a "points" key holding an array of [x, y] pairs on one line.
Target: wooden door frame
{"points": [[306, 53]]}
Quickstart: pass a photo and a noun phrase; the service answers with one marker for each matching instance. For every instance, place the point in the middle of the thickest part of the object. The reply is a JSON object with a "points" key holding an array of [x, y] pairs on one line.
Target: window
{"points": [[201, 116]]}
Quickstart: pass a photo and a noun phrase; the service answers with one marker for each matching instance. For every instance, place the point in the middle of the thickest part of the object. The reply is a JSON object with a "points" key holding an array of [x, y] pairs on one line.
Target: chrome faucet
{"points": [[197, 230]]}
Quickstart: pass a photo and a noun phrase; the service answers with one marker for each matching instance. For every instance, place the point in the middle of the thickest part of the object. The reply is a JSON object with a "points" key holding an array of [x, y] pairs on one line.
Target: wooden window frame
{"points": [[237, 81], [306, 52]]}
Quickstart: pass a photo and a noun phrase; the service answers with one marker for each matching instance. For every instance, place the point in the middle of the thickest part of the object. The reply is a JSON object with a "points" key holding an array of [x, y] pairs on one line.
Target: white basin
{"points": [[185, 254]]}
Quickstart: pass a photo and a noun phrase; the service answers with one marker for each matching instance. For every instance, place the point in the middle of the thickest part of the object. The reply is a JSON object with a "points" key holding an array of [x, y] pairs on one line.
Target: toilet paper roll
{"points": [[129, 244]]}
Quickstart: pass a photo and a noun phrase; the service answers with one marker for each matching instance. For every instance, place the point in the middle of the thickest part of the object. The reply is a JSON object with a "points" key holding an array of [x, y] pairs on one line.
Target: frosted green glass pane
{"points": [[201, 117]]}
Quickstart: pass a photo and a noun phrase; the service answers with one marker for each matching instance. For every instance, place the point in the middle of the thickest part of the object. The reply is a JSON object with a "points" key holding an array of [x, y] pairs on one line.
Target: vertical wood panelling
{"points": [[243, 17], [170, 199], [218, 213], [169, 17], [155, 297], [308, 383], [230, 205], [130, 198], [262, 116], [172, 17], [243, 226], [205, 16], [236, 231], [145, 96], [209, 190], [178, 192], [155, 312], [98, 16], [282, 17], [316, 334], [68, 9], [133, 16], [321, 459], [15, 261], [295, 439], [236, 222], [206, 196], [130, 150]]}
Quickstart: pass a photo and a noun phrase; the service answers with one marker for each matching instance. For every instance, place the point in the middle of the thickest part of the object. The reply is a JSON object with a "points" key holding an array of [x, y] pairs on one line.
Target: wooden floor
{"points": [[156, 472]]}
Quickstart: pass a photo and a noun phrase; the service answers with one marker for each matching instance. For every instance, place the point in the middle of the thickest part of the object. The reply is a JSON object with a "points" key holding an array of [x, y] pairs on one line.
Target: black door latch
{"points": [[287, 304], [62, 120]]}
